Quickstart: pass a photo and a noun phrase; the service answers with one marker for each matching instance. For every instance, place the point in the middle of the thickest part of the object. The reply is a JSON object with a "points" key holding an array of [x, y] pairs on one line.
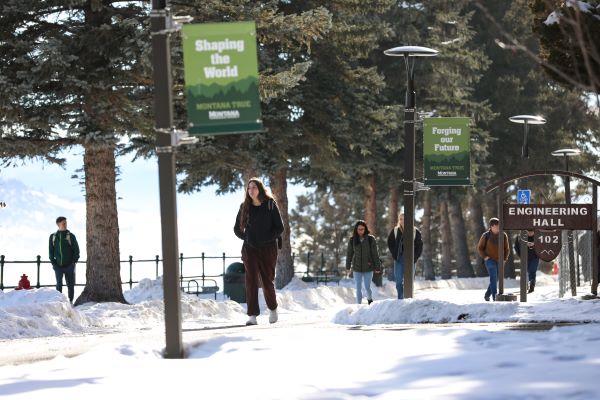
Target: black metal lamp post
{"points": [[526, 120], [409, 52], [573, 277], [167, 139]]}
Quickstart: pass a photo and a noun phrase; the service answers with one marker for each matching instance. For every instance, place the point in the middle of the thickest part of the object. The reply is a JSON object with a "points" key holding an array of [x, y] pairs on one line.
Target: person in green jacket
{"points": [[363, 258], [64, 254]]}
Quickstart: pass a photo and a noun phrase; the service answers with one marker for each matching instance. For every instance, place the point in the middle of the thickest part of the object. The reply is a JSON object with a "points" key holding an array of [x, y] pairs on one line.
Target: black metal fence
{"points": [[306, 265], [200, 273]]}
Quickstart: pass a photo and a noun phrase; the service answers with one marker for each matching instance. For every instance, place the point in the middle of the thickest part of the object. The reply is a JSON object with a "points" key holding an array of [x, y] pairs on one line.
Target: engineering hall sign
{"points": [[544, 216]]}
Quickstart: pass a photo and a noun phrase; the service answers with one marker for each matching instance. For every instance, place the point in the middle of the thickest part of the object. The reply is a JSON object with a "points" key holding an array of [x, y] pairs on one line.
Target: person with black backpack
{"points": [[363, 257], [259, 225], [64, 254], [396, 247]]}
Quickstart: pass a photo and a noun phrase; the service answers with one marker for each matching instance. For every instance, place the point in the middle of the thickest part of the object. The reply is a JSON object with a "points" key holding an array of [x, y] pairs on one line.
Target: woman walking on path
{"points": [[259, 225], [363, 258]]}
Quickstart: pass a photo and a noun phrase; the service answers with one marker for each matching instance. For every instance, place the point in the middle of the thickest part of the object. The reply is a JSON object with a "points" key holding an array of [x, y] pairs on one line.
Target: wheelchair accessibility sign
{"points": [[524, 196]]}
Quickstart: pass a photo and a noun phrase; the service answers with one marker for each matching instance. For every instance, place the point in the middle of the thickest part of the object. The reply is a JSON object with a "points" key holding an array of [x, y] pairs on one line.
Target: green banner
{"points": [[221, 78], [446, 152]]}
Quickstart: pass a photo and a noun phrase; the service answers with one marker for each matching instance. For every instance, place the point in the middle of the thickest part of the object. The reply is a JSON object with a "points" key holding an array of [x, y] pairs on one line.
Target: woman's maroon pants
{"points": [[260, 267]]}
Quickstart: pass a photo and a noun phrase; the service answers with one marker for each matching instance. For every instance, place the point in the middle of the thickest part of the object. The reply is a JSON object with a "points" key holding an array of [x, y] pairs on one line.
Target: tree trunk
{"points": [[393, 208], [249, 173], [371, 205], [477, 229], [103, 270], [428, 270], [464, 269], [446, 241], [284, 271]]}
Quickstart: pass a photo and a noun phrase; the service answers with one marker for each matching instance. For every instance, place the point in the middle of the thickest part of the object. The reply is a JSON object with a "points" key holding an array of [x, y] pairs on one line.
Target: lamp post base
{"points": [[506, 297]]}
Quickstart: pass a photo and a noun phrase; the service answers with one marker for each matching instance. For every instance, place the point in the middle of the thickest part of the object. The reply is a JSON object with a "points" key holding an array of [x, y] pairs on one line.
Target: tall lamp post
{"points": [[409, 52], [526, 120], [162, 24], [573, 277]]}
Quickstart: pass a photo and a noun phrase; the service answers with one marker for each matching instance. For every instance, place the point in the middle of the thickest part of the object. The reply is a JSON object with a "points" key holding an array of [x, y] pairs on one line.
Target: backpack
{"points": [[486, 236], [68, 238]]}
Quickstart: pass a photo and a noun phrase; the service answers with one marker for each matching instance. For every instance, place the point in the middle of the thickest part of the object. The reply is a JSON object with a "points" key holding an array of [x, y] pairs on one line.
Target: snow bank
{"points": [[37, 312], [417, 311], [146, 308], [46, 312]]}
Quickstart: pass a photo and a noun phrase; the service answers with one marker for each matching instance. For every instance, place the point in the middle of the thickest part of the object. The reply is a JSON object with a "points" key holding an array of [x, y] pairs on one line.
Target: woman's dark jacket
{"points": [[531, 254], [363, 256], [396, 247], [264, 225]]}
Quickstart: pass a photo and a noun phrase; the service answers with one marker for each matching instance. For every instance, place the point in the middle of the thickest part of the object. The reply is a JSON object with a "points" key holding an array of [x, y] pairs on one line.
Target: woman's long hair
{"points": [[400, 218], [355, 237], [263, 195]]}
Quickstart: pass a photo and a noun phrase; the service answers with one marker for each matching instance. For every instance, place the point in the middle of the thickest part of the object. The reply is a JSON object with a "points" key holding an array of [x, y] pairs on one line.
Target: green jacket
{"points": [[63, 249], [363, 256]]}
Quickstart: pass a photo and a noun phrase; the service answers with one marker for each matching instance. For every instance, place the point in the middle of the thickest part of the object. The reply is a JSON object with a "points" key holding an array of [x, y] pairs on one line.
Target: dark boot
{"points": [[531, 287]]}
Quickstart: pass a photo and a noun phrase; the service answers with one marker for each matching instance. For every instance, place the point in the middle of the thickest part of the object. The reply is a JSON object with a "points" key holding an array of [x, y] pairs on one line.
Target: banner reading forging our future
{"points": [[446, 151], [221, 78]]}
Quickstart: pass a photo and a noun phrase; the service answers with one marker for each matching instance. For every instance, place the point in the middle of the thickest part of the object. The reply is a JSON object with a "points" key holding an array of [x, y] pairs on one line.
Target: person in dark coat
{"points": [[532, 258], [259, 225], [363, 257], [64, 254], [396, 247]]}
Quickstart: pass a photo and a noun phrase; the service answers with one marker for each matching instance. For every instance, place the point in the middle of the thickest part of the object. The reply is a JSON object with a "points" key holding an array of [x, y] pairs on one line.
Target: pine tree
{"points": [[569, 36], [76, 72], [515, 85], [286, 35]]}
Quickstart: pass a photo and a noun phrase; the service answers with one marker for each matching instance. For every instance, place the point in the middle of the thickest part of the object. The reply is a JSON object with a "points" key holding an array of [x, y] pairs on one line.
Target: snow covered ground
{"points": [[446, 343]]}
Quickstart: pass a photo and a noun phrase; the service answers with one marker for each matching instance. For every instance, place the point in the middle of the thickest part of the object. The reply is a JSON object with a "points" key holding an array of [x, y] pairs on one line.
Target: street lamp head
{"points": [[566, 152], [411, 51], [528, 119]]}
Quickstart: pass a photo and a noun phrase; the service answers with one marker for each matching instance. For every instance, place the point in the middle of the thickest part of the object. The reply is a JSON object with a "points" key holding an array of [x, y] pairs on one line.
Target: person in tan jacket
{"points": [[488, 250]]}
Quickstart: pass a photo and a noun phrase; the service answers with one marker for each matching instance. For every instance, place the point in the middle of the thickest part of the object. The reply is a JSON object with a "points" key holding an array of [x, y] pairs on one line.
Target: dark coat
{"points": [[363, 256], [264, 225], [530, 251], [63, 249], [396, 247]]}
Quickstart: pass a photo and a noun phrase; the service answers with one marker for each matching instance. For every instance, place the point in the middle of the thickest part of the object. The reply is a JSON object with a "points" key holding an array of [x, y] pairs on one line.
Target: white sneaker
{"points": [[273, 317], [252, 320]]}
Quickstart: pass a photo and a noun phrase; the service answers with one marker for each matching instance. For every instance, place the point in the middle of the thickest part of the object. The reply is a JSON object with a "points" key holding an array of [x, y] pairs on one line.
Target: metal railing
{"points": [[315, 265], [129, 262]]}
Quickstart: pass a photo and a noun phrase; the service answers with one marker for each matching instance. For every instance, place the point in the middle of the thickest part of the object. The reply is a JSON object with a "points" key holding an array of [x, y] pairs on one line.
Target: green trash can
{"points": [[234, 282]]}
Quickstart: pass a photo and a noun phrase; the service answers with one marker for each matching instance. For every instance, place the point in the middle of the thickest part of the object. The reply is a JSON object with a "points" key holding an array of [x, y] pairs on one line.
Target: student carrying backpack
{"points": [[64, 254]]}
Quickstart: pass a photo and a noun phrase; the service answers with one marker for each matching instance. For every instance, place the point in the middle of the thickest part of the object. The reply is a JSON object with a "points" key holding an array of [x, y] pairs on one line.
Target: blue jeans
{"points": [[532, 266], [492, 268], [399, 276], [69, 273], [360, 278]]}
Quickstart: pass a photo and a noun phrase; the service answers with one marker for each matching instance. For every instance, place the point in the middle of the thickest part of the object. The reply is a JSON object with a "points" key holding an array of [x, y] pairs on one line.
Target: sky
{"points": [[37, 193], [446, 343]]}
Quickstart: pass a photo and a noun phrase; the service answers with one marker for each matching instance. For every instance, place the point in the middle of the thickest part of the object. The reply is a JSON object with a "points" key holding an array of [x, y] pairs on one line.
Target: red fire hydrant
{"points": [[24, 283]]}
